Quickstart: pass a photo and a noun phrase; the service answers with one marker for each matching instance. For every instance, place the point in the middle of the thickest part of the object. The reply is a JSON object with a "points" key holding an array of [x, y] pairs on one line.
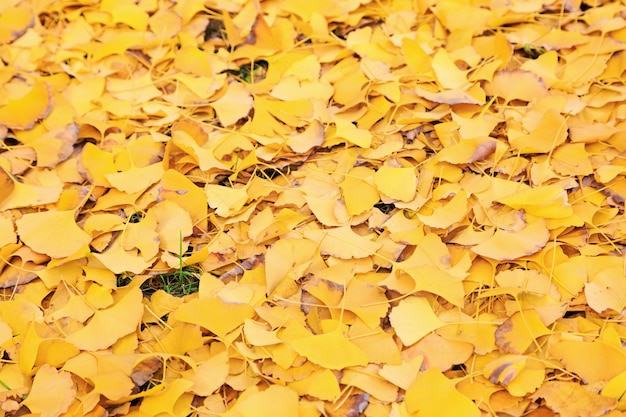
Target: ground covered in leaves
{"points": [[289, 208]]}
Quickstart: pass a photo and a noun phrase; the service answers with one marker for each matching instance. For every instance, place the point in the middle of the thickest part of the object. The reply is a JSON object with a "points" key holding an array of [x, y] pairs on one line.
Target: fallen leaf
{"points": [[52, 392], [430, 390], [41, 230], [21, 113], [571, 400]]}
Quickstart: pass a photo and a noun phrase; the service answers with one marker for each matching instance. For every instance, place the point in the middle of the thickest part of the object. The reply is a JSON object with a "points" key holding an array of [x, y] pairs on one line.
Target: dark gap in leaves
{"points": [[225, 182], [251, 72], [178, 283], [573, 314], [532, 51], [384, 207], [135, 217], [459, 367], [9, 141], [214, 29], [123, 280]]}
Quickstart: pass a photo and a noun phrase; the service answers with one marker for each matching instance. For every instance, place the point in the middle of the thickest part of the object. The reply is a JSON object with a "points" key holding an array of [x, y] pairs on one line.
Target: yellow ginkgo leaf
{"points": [[403, 319], [519, 374], [214, 314], [549, 201], [22, 112], [346, 131], [359, 192], [233, 105], [588, 359], [447, 213], [14, 21], [135, 179], [209, 375], [110, 324], [569, 399], [446, 71], [309, 138], [226, 201], [173, 400], [52, 392], [330, 350], [518, 85], [54, 233], [276, 401], [136, 90], [173, 225], [520, 331], [504, 245], [322, 384], [396, 183], [342, 242], [430, 391]]}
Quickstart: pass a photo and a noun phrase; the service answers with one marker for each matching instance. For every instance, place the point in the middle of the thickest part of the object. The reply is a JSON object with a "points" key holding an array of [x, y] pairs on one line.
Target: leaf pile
{"points": [[399, 208]]}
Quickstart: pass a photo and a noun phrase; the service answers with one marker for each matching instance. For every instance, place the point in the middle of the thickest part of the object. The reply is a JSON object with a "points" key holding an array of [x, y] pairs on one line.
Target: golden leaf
{"points": [[52, 392], [41, 232]]}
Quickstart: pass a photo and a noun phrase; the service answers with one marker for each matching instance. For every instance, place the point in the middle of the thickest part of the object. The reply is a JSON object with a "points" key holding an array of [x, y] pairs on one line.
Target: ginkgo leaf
{"points": [[209, 375], [137, 90], [14, 21], [233, 105], [110, 324], [174, 224], [136, 178], [309, 138], [342, 242], [430, 390], [548, 201], [587, 359], [348, 132], [226, 200], [41, 231], [519, 374], [330, 350], [276, 401], [403, 316], [22, 112], [504, 245], [214, 314], [571, 400], [52, 392], [519, 331], [173, 400], [396, 183], [518, 85], [322, 385]]}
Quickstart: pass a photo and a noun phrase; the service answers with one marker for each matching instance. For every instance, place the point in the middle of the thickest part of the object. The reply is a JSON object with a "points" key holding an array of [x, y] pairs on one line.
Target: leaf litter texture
{"points": [[398, 208]]}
